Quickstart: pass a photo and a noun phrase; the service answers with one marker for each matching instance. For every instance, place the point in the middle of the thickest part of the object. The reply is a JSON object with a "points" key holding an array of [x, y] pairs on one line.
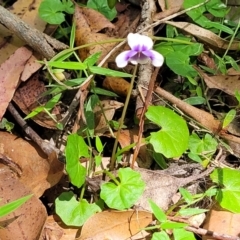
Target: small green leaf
{"points": [[101, 91], [195, 100], [186, 195], [182, 234], [229, 196], [124, 195], [191, 211], [68, 6], [160, 236], [229, 118], [12, 206], [92, 59], [76, 148], [178, 62], [172, 139], [72, 212], [108, 72], [157, 211], [68, 65], [172, 225], [98, 143], [98, 160], [51, 11], [103, 7]]}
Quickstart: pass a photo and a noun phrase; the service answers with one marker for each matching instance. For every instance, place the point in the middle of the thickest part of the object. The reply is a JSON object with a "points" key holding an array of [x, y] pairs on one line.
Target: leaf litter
{"points": [[93, 27]]}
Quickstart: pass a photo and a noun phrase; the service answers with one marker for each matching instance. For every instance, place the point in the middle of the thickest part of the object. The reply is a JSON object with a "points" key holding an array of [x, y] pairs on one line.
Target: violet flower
{"points": [[141, 51]]}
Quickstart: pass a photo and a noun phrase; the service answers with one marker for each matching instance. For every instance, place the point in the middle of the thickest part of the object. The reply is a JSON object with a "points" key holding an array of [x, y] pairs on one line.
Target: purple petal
{"points": [[123, 58], [157, 58]]}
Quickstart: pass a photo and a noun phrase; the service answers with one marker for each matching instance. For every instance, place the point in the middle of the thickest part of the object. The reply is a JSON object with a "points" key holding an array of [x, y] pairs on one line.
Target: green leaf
{"points": [[172, 139], [195, 100], [104, 92], [186, 195], [178, 62], [72, 212], [206, 146], [68, 6], [51, 11], [98, 143], [108, 72], [172, 225], [229, 196], [160, 236], [157, 211], [12, 206], [76, 148], [103, 7], [92, 59], [182, 234], [68, 65], [124, 195], [191, 211], [89, 113], [229, 118]]}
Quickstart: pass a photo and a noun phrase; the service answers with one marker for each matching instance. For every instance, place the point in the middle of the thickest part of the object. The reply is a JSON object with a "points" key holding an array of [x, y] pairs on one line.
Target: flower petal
{"points": [[139, 58], [146, 42], [139, 42], [156, 57], [123, 58], [133, 39]]}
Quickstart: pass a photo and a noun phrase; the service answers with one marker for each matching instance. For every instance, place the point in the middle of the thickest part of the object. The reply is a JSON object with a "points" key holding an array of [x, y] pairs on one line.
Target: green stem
{"points": [[110, 175], [113, 158], [172, 40]]}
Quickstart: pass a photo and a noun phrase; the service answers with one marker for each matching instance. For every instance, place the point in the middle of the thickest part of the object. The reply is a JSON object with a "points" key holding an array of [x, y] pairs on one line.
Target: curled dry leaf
{"points": [[205, 35], [27, 221], [38, 171], [109, 108], [118, 85], [115, 225], [88, 24], [10, 72]]}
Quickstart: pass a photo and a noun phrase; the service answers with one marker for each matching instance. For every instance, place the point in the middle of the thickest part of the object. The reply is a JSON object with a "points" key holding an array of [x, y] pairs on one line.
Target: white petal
{"points": [[133, 39], [139, 58], [156, 57], [146, 41], [121, 59]]}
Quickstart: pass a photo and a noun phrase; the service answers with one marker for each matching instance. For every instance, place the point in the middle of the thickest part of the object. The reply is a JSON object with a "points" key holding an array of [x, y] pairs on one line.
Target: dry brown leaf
{"points": [[115, 225], [85, 35], [169, 4], [10, 72], [28, 97], [225, 83], [109, 108], [118, 85], [38, 172], [55, 229], [222, 222], [205, 35], [27, 221], [28, 12]]}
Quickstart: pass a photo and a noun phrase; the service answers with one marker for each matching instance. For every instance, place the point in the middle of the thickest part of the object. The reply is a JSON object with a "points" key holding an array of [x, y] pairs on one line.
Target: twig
{"points": [[46, 147], [33, 37]]}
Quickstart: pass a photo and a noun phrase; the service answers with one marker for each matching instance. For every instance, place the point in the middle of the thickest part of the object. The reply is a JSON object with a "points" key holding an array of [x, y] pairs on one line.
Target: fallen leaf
{"points": [[206, 36], [222, 222], [115, 225], [27, 221], [225, 83], [38, 171], [10, 72], [28, 96], [86, 33]]}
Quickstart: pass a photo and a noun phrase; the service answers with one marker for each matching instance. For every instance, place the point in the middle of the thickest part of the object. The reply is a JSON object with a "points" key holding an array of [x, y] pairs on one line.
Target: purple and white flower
{"points": [[141, 51]]}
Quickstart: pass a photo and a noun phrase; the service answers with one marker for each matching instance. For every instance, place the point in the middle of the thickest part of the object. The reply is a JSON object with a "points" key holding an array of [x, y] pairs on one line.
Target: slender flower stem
{"points": [[110, 175], [113, 158]]}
